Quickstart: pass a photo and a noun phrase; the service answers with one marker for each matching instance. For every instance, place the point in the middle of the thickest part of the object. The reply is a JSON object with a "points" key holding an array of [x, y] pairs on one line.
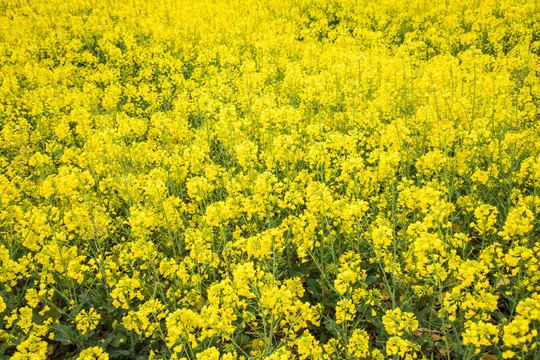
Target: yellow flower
{"points": [[32, 348], [279, 354], [402, 347], [358, 346], [397, 322], [209, 354], [480, 334], [93, 353], [2, 304], [486, 217], [345, 311], [518, 222], [308, 347], [87, 321], [146, 320]]}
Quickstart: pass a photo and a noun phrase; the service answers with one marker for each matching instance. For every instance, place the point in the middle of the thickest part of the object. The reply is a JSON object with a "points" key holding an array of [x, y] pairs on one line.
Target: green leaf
{"points": [[301, 270], [64, 333], [371, 279], [116, 353], [314, 287], [52, 313]]}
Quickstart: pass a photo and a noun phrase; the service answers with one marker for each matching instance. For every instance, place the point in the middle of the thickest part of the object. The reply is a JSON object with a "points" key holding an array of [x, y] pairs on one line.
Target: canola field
{"points": [[278, 179]]}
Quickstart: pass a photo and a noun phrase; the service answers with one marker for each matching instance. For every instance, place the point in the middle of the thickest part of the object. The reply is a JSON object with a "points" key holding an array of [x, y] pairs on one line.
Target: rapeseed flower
{"points": [[240, 179]]}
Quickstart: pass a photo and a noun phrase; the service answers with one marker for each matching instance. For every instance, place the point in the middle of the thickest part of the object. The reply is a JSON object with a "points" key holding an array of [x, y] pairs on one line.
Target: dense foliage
{"points": [[302, 179]]}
